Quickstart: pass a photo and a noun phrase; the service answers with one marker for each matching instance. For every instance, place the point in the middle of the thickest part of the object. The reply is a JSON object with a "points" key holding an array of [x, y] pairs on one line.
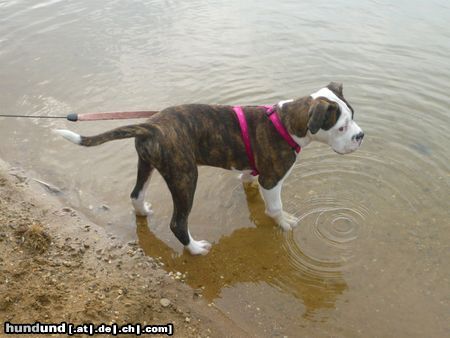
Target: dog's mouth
{"points": [[359, 142], [346, 152]]}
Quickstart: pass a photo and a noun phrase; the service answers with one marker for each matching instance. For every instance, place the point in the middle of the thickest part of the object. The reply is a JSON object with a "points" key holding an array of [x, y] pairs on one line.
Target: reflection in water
{"points": [[376, 219], [251, 255]]}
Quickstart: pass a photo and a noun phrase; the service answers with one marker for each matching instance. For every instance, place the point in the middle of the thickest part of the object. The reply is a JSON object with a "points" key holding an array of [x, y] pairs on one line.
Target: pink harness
{"points": [[275, 119]]}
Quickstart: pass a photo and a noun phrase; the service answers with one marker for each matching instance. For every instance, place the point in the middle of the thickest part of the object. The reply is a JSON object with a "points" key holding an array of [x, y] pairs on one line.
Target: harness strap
{"points": [[280, 128], [246, 138]]}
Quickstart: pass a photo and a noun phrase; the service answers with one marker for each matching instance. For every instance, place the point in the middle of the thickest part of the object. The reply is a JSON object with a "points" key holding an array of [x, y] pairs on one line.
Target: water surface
{"points": [[370, 256]]}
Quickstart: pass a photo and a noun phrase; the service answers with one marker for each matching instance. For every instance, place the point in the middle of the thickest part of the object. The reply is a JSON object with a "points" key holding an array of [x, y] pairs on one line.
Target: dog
{"points": [[178, 139]]}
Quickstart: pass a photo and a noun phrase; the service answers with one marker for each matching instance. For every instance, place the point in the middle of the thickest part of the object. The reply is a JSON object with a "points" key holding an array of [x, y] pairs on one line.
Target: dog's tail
{"points": [[115, 134]]}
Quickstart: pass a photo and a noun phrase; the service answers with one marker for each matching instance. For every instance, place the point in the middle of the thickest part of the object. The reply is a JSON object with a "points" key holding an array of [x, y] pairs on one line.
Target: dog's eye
{"points": [[341, 128]]}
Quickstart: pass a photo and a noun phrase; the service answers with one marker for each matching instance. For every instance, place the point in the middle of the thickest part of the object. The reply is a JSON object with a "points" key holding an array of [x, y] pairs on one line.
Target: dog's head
{"points": [[330, 120]]}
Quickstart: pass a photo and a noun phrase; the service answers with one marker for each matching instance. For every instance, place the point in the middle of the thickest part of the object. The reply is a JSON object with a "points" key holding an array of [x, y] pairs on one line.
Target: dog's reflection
{"points": [[252, 255]]}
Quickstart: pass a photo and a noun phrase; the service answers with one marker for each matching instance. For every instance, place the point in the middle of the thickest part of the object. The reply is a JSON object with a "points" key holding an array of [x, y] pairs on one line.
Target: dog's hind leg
{"points": [[141, 207], [182, 186]]}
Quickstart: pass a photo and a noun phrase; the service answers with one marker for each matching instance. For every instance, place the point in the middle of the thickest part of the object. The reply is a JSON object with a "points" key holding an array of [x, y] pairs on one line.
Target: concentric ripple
{"points": [[324, 243], [381, 209], [347, 205]]}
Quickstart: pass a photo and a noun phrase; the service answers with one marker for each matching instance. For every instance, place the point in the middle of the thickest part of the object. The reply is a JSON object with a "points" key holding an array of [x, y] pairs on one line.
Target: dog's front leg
{"points": [[247, 177], [274, 207]]}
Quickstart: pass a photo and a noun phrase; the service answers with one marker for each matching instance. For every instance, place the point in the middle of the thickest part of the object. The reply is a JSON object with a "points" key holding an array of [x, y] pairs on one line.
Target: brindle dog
{"points": [[178, 139]]}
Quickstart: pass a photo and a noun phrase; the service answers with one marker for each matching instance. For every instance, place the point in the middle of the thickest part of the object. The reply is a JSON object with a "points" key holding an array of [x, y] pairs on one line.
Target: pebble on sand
{"points": [[164, 302]]}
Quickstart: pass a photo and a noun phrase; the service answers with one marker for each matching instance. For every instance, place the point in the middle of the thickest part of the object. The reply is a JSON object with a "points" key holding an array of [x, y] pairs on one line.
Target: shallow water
{"points": [[370, 256]]}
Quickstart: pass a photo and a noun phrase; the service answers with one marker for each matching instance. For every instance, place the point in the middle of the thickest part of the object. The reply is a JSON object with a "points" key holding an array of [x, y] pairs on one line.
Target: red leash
{"points": [[73, 117], [111, 116], [92, 116]]}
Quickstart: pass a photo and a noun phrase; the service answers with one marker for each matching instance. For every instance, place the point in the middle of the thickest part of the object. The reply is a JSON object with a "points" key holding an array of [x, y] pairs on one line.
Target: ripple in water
{"points": [[323, 245]]}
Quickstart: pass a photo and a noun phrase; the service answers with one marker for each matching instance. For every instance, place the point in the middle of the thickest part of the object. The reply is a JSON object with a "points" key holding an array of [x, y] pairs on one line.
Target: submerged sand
{"points": [[56, 266]]}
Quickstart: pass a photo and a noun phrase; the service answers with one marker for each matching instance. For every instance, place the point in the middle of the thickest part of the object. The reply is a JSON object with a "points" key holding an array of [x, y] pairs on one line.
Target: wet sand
{"points": [[57, 266], [370, 254]]}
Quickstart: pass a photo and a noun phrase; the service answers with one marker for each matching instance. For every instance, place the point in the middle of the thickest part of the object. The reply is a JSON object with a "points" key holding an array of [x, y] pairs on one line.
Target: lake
{"points": [[371, 254]]}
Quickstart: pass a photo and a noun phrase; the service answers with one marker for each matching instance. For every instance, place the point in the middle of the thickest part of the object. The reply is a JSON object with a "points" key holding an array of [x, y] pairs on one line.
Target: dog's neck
{"points": [[294, 115]]}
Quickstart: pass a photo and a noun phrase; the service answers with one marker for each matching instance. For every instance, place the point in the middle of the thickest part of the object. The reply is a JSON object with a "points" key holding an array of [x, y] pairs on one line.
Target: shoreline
{"points": [[56, 265]]}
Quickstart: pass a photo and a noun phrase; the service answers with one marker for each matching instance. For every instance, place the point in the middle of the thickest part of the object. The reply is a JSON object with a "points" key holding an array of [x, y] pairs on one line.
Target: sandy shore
{"points": [[55, 266]]}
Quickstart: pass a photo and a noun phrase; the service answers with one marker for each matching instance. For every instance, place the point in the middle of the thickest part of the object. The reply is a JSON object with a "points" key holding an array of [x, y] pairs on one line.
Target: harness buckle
{"points": [[270, 110]]}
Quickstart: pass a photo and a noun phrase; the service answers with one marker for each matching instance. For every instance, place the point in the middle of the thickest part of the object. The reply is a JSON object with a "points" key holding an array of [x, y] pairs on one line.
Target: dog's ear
{"points": [[322, 114], [337, 88]]}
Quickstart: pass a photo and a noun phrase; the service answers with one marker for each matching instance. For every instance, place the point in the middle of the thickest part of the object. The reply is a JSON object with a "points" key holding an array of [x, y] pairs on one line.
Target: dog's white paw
{"points": [[198, 247], [142, 209], [286, 221], [291, 219], [246, 177]]}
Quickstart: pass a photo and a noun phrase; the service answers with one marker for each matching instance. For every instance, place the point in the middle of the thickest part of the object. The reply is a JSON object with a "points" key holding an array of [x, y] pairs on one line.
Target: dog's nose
{"points": [[359, 137]]}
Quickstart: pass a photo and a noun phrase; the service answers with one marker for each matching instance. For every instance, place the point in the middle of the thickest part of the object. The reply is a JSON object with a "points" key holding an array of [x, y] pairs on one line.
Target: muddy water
{"points": [[370, 256]]}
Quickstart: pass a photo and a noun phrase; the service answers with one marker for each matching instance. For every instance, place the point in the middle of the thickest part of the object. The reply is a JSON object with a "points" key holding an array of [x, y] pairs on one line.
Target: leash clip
{"points": [[270, 110]]}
